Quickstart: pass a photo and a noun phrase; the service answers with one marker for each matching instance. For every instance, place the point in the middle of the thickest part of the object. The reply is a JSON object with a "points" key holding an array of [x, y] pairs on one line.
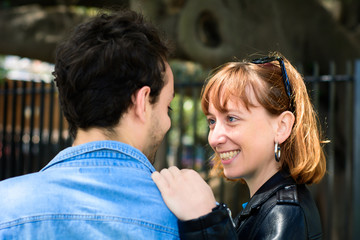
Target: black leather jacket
{"points": [[280, 209]]}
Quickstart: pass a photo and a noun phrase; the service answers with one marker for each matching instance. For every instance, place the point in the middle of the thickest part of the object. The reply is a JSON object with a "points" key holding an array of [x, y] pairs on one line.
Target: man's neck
{"points": [[97, 134], [90, 135]]}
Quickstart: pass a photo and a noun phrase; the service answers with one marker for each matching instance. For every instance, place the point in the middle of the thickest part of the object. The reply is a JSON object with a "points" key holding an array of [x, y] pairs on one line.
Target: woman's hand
{"points": [[185, 193]]}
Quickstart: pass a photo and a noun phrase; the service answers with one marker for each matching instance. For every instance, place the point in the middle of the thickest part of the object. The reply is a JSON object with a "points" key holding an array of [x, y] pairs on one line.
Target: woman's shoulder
{"points": [[296, 209], [283, 208], [297, 195]]}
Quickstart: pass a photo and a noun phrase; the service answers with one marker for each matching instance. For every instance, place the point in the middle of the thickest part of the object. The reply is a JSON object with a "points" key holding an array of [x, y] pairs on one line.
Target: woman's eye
{"points": [[211, 122], [169, 109], [231, 119]]}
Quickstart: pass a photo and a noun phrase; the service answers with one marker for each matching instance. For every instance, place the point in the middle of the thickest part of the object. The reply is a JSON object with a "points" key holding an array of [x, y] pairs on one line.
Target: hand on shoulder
{"points": [[185, 193]]}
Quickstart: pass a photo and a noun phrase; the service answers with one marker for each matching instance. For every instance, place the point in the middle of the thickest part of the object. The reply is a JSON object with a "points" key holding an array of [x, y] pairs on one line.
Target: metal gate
{"points": [[33, 130]]}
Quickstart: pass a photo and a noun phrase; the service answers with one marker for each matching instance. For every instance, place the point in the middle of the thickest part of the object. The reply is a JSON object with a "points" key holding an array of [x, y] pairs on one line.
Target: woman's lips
{"points": [[228, 157]]}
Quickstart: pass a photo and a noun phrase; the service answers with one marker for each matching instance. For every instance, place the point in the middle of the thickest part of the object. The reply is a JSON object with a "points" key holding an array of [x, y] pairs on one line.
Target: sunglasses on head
{"points": [[283, 70]]}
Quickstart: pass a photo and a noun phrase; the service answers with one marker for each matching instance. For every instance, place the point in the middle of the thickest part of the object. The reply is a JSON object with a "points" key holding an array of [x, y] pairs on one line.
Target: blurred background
{"points": [[321, 38]]}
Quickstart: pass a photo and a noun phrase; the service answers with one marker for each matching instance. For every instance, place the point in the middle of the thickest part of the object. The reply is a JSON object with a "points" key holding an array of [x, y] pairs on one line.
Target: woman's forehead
{"points": [[226, 97]]}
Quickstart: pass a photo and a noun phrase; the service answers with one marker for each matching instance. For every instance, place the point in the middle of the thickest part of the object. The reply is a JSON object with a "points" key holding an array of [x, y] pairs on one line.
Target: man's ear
{"points": [[141, 100], [285, 123]]}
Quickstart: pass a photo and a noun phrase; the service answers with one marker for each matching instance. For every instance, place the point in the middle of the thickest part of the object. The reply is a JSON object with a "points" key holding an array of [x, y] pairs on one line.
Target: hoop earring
{"points": [[277, 151]]}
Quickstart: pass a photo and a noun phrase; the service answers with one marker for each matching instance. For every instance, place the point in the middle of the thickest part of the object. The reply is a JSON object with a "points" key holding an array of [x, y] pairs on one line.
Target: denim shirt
{"points": [[98, 190]]}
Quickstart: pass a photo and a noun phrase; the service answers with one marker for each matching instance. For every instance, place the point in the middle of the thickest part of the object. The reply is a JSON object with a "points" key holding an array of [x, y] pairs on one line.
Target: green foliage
{"points": [[189, 129], [188, 119], [3, 71]]}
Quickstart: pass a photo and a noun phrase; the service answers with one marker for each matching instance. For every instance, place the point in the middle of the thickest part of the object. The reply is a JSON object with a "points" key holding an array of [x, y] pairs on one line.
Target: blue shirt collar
{"points": [[120, 147]]}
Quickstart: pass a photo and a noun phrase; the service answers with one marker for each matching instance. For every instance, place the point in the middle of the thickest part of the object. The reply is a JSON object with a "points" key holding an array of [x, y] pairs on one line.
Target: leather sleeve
{"points": [[282, 222], [215, 225]]}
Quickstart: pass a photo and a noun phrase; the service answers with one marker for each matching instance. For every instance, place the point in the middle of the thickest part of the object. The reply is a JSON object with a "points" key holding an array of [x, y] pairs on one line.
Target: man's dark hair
{"points": [[103, 63]]}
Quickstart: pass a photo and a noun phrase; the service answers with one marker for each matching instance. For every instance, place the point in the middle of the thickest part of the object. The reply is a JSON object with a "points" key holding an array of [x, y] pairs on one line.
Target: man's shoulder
{"points": [[122, 202], [17, 194], [120, 192], [18, 186]]}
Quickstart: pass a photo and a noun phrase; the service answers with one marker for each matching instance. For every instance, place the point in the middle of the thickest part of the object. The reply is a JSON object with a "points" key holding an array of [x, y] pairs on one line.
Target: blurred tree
{"points": [[206, 31], [350, 14], [2, 70], [88, 3]]}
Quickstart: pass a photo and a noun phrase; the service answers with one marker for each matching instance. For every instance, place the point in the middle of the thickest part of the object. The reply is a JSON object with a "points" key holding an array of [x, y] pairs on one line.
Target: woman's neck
{"points": [[258, 180]]}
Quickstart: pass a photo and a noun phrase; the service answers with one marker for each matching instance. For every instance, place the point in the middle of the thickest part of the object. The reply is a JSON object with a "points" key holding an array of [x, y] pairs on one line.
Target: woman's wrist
{"points": [[218, 214]]}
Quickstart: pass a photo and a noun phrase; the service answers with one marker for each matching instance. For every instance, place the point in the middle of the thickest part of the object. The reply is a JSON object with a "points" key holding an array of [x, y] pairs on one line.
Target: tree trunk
{"points": [[33, 32]]}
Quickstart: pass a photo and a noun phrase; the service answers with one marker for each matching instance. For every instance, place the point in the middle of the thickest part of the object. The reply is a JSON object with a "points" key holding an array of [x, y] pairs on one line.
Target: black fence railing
{"points": [[33, 131], [32, 127]]}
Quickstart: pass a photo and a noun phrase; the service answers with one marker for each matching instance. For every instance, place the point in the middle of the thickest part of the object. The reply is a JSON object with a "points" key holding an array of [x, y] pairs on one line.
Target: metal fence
{"points": [[32, 128], [32, 131]]}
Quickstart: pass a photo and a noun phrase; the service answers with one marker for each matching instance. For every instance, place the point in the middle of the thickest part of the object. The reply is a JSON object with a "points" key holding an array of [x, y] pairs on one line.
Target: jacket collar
{"points": [[268, 189], [71, 153]]}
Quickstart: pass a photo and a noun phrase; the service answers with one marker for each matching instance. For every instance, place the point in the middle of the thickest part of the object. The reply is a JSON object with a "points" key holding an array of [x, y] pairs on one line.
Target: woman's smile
{"points": [[228, 157]]}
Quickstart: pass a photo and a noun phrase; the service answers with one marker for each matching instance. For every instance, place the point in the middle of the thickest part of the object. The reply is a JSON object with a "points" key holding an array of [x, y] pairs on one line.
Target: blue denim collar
{"points": [[70, 152]]}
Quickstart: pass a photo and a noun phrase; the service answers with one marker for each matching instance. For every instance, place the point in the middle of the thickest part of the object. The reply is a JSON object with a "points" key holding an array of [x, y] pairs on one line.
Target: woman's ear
{"points": [[141, 100], [284, 126]]}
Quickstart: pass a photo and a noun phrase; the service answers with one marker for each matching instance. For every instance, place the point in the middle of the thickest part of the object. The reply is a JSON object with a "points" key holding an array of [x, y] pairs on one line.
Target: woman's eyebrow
{"points": [[239, 110]]}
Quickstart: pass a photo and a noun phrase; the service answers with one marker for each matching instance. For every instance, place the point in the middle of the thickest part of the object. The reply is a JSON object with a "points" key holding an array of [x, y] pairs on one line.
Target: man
{"points": [[115, 88]]}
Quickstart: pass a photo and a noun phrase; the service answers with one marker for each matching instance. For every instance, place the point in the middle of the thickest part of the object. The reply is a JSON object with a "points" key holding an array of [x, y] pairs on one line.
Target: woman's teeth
{"points": [[228, 155]]}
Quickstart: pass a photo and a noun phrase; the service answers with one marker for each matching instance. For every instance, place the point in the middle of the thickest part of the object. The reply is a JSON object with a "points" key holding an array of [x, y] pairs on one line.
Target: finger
{"points": [[160, 181], [167, 175], [191, 174], [175, 171]]}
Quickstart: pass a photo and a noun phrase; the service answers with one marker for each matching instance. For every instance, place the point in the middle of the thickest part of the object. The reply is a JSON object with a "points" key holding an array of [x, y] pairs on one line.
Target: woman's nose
{"points": [[217, 135]]}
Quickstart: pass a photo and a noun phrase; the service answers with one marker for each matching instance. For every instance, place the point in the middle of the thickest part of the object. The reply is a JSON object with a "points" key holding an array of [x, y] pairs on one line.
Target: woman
{"points": [[263, 130]]}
